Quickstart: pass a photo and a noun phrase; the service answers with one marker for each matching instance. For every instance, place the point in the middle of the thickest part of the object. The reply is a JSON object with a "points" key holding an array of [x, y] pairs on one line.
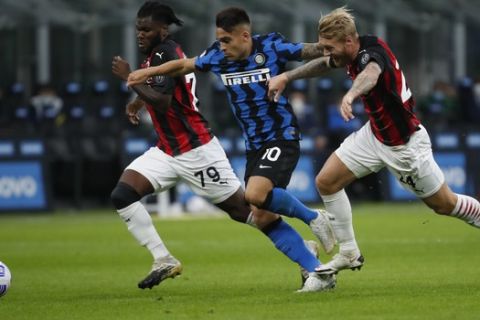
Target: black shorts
{"points": [[276, 161]]}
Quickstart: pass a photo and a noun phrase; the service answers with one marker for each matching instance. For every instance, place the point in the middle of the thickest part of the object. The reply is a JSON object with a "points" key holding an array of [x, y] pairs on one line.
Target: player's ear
{"points": [[245, 35], [164, 31], [348, 40]]}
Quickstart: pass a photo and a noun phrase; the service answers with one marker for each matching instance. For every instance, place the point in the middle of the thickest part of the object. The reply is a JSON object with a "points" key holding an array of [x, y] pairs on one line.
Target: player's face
{"points": [[236, 45], [150, 33], [339, 50]]}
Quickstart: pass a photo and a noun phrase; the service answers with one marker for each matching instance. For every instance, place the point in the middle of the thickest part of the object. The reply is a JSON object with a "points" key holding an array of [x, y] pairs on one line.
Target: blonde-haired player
{"points": [[393, 137]]}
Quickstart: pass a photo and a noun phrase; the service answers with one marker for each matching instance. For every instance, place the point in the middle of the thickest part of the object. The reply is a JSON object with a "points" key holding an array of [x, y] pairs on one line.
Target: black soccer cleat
{"points": [[162, 269]]}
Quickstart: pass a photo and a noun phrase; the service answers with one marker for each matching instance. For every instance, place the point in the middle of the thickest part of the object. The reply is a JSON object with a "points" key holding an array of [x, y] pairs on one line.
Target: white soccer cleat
{"points": [[475, 223], [340, 262], [316, 282], [163, 268], [313, 247], [322, 229]]}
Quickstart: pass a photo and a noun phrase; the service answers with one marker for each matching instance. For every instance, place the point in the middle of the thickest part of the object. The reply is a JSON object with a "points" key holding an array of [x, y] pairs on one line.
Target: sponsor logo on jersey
{"points": [[246, 77]]}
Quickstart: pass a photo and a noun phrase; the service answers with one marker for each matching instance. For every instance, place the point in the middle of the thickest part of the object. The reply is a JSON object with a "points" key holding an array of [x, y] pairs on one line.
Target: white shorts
{"points": [[205, 169], [412, 163]]}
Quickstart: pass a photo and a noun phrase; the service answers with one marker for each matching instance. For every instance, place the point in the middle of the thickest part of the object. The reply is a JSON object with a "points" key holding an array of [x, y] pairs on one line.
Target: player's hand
{"points": [[346, 107], [276, 86], [120, 67], [137, 77], [132, 110]]}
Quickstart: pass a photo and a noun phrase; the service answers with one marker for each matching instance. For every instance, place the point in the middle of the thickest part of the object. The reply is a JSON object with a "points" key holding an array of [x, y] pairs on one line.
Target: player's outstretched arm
{"points": [[121, 69], [363, 83], [277, 84], [311, 51], [173, 68]]}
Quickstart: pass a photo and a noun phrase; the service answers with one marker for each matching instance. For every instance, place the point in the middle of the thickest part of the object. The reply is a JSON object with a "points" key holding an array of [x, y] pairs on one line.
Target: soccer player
{"points": [[186, 151], [244, 64], [393, 137]]}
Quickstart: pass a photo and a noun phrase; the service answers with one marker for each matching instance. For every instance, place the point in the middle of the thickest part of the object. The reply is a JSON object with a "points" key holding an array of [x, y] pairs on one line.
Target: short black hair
{"points": [[159, 12], [229, 18]]}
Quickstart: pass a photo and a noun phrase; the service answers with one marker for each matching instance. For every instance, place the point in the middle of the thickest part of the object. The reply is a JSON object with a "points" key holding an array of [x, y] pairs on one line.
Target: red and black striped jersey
{"points": [[181, 128], [390, 103]]}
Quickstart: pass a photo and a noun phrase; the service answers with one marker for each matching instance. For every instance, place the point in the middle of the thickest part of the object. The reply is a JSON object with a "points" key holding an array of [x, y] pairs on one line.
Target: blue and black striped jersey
{"points": [[261, 120]]}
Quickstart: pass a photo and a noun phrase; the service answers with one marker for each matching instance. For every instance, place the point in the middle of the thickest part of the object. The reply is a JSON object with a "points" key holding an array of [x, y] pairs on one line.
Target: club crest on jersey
{"points": [[159, 79], [259, 59], [246, 77], [365, 58]]}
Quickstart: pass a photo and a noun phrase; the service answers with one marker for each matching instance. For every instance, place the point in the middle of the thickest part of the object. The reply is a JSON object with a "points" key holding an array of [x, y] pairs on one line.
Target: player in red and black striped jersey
{"points": [[393, 136], [186, 151], [389, 104], [180, 128]]}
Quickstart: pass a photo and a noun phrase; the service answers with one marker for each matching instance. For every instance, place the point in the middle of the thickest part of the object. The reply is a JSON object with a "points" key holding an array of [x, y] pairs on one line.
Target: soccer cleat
{"points": [[312, 246], [316, 282], [322, 229], [340, 262], [474, 223], [163, 268]]}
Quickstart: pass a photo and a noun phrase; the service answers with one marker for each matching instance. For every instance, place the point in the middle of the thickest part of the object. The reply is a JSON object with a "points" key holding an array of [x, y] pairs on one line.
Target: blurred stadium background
{"points": [[64, 139]]}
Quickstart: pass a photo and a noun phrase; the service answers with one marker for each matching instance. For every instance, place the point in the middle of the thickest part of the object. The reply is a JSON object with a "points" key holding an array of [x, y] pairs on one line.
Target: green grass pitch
{"points": [[86, 266]]}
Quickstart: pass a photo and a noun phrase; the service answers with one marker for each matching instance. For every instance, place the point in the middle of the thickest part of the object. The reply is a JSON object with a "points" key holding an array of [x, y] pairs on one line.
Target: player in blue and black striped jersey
{"points": [[245, 79], [244, 63]]}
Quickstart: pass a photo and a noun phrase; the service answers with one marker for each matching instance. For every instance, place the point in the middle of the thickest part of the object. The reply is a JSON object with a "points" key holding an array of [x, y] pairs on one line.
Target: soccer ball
{"points": [[5, 277]]}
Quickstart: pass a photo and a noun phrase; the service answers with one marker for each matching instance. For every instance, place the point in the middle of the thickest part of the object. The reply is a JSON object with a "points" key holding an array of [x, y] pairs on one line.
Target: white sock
{"points": [[339, 206], [466, 209], [250, 221], [141, 226]]}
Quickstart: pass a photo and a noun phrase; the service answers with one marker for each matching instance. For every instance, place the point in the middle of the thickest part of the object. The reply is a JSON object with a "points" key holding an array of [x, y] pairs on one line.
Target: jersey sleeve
{"points": [[160, 55], [286, 50], [205, 61], [376, 54]]}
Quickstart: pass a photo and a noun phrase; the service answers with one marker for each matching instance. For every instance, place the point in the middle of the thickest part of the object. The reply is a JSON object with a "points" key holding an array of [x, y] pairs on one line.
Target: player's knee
{"points": [[323, 185], [123, 195], [255, 197]]}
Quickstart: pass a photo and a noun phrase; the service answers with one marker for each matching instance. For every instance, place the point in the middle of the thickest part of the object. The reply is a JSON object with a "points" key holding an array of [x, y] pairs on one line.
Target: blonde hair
{"points": [[337, 24]]}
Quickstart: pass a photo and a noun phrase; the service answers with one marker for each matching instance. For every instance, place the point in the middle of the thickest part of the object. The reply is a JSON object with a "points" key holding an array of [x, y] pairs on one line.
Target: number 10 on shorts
{"points": [[272, 154]]}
